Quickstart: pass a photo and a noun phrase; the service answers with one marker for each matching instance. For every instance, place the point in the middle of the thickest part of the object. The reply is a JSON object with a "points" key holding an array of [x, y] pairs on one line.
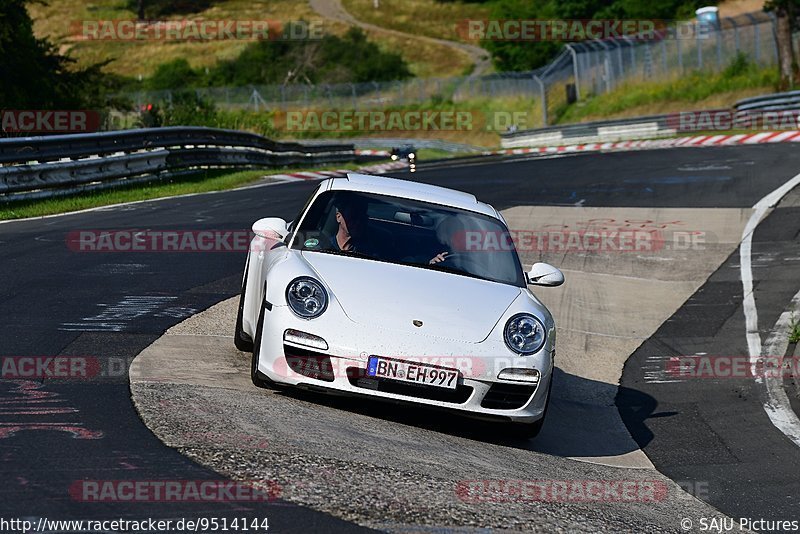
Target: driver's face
{"points": [[352, 225]]}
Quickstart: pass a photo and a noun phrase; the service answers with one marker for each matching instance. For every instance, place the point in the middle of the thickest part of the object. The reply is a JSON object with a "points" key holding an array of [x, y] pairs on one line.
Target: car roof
{"points": [[382, 185]]}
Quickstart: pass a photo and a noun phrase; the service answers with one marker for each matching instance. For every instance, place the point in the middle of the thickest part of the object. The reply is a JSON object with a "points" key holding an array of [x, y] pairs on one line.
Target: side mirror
{"points": [[271, 228], [544, 274]]}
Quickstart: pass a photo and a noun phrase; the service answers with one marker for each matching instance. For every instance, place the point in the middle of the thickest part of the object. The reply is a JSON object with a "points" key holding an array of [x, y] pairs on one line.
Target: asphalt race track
{"points": [[111, 306]]}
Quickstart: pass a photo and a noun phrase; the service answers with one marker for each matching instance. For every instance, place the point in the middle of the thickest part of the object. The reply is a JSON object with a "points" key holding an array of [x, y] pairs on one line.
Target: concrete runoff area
{"points": [[612, 301], [336, 454], [382, 466]]}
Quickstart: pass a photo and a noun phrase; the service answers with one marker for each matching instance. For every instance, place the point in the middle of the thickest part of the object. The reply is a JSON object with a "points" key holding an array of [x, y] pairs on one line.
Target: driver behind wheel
{"points": [[356, 233], [446, 230]]}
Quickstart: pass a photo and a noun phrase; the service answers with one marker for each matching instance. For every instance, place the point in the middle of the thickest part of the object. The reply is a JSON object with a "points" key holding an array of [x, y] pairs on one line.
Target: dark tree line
{"points": [[153, 9], [33, 75]]}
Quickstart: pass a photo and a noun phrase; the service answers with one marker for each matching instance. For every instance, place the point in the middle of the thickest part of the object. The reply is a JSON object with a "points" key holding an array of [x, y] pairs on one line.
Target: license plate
{"points": [[417, 373]]}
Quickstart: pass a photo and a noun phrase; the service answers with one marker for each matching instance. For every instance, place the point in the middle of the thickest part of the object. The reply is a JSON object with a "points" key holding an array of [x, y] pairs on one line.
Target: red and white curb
{"points": [[696, 141], [321, 175]]}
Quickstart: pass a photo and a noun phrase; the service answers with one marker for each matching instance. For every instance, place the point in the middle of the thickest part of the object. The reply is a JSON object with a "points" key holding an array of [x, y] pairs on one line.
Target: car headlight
{"points": [[306, 297], [525, 334]]}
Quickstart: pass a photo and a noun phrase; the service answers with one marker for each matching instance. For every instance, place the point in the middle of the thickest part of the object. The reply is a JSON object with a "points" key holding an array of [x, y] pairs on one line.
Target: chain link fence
{"points": [[581, 70], [598, 66], [358, 96]]}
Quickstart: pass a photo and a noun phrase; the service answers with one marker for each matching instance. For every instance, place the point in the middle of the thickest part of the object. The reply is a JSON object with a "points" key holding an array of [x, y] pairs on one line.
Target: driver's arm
{"points": [[439, 257]]}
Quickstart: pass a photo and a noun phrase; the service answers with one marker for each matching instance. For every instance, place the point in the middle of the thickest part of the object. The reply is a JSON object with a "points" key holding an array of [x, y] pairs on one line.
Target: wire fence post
{"points": [[698, 42], [574, 56], [757, 41], [543, 95]]}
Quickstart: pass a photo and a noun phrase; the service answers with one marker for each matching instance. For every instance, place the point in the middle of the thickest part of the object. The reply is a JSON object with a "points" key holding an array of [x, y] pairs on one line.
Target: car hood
{"points": [[393, 296]]}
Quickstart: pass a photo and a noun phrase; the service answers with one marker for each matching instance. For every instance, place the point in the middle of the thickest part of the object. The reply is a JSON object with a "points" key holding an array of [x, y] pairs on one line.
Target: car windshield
{"points": [[410, 232]]}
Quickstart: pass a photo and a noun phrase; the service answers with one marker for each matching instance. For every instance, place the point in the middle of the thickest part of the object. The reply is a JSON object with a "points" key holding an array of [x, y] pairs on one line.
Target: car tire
{"points": [[242, 341], [259, 379], [531, 430]]}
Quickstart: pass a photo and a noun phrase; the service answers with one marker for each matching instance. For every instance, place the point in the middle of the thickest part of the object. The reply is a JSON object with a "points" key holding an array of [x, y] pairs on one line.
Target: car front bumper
{"points": [[341, 368]]}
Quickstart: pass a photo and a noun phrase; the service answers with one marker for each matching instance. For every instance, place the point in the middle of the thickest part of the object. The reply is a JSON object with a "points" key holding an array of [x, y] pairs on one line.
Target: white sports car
{"points": [[400, 291]]}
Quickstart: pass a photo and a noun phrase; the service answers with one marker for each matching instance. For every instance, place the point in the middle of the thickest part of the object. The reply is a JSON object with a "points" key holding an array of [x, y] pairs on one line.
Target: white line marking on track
{"points": [[777, 403], [778, 410]]}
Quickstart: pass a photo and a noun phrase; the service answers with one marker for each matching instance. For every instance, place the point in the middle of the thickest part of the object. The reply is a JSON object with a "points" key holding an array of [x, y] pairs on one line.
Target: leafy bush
{"points": [[332, 59], [174, 74], [738, 66], [187, 108]]}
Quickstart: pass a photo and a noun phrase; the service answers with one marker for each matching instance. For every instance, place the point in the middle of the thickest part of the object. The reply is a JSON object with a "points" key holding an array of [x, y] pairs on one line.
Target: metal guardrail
{"points": [[609, 131], [41, 167], [773, 102], [777, 111]]}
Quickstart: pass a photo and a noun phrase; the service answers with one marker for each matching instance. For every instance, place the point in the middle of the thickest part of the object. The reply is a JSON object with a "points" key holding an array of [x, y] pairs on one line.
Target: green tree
{"points": [[173, 75], [32, 72], [333, 59], [786, 21]]}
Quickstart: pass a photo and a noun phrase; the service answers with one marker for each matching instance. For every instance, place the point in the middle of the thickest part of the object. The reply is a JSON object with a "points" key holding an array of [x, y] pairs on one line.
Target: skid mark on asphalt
{"points": [[28, 398]]}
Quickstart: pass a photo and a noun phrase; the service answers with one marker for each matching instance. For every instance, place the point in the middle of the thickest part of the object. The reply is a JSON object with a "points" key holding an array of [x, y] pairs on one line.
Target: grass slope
{"points": [[56, 18]]}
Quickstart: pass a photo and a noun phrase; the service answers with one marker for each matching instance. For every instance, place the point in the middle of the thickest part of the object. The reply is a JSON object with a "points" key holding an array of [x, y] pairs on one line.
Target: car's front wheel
{"points": [[242, 341], [259, 379]]}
